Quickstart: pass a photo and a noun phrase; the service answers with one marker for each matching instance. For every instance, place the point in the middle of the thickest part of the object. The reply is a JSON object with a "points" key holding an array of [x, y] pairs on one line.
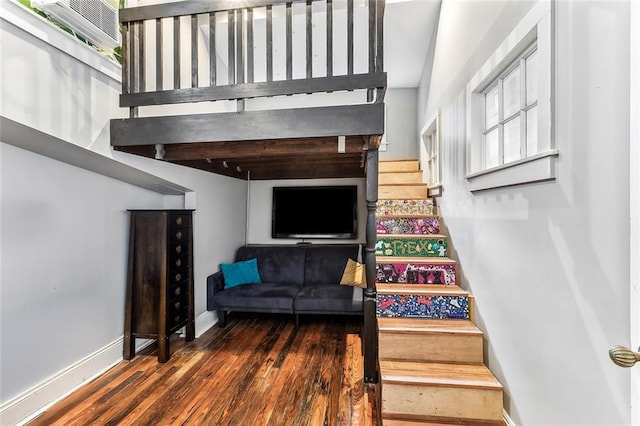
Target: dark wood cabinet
{"points": [[159, 298]]}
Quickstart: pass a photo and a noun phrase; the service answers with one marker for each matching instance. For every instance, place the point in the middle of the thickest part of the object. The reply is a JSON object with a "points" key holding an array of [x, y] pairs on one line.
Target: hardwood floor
{"points": [[259, 370]]}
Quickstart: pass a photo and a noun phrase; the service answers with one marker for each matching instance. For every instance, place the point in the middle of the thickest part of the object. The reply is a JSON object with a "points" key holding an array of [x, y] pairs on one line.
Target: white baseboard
{"points": [[34, 401], [205, 321], [507, 420], [26, 406]]}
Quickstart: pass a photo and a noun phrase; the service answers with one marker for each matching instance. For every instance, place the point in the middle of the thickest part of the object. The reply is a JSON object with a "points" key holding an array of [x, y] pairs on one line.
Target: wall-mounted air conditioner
{"points": [[95, 20]]}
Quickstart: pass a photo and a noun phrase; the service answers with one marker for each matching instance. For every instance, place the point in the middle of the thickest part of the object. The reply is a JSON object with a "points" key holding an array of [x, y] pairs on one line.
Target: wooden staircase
{"points": [[430, 351]]}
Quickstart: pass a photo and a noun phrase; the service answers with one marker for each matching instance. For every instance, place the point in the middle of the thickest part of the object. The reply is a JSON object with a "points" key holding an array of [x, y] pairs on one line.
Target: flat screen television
{"points": [[315, 212]]}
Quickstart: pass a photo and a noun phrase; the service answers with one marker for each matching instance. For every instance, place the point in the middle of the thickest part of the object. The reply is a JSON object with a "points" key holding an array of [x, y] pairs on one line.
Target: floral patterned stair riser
{"points": [[404, 207], [414, 247], [408, 273], [418, 225], [422, 306]]}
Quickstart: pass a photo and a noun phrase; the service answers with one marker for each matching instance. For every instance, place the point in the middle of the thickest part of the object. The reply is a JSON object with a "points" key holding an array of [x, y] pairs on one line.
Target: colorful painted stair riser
{"points": [[408, 273], [404, 207], [417, 225], [434, 307], [411, 247]]}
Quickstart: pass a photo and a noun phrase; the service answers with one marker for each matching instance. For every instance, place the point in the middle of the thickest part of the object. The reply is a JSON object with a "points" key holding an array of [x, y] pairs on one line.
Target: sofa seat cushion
{"points": [[327, 298], [267, 297]]}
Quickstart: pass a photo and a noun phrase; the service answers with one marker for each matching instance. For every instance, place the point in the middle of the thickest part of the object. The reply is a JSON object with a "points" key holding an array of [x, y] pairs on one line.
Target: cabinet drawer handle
{"points": [[179, 220], [179, 235], [177, 291], [177, 319], [178, 263], [177, 305], [178, 277], [179, 248]]}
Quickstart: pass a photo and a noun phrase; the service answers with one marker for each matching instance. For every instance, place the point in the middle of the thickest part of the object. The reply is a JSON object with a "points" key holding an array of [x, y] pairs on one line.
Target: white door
{"points": [[635, 205]]}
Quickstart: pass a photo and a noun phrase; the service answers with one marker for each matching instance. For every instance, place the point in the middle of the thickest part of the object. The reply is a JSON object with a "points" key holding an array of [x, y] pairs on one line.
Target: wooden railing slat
{"points": [[194, 50], [231, 24], [372, 35], [213, 59], [289, 43], [309, 45], [141, 61], [239, 46], [159, 64], [126, 70], [269, 43], [249, 45], [349, 36], [176, 52], [380, 35], [329, 38]]}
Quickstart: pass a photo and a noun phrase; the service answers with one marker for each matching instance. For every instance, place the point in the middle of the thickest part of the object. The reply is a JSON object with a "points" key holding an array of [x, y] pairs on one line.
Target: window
{"points": [[510, 113], [509, 122], [432, 154]]}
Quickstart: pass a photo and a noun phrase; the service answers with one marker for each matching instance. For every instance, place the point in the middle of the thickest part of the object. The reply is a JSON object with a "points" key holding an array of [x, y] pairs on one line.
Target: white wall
{"points": [[63, 255], [401, 129], [65, 229], [261, 201], [548, 263]]}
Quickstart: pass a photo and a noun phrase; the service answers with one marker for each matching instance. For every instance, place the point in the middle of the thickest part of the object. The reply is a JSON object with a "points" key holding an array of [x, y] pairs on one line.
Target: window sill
{"points": [[539, 167], [435, 190]]}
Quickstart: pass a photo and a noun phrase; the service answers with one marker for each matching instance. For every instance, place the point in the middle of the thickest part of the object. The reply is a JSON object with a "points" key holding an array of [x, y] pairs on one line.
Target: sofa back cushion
{"points": [[325, 263], [284, 264]]}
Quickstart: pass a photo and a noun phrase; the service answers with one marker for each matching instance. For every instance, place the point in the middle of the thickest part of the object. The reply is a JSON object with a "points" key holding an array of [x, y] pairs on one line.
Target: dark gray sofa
{"points": [[296, 279]]}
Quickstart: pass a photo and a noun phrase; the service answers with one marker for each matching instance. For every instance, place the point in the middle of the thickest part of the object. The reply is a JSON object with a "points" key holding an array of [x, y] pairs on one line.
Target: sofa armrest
{"points": [[215, 284]]}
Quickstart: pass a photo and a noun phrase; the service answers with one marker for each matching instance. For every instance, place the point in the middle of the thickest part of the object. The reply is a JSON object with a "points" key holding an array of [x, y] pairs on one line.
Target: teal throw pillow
{"points": [[240, 273]]}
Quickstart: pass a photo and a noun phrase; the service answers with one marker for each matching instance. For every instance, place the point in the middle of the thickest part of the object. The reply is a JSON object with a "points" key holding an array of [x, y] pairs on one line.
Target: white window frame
{"points": [[536, 28], [430, 136]]}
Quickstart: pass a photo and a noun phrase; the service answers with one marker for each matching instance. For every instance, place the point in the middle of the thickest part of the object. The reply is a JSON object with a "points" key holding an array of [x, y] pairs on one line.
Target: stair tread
{"points": [[436, 421], [407, 216], [416, 260], [421, 289], [427, 326], [438, 374], [411, 236], [404, 184]]}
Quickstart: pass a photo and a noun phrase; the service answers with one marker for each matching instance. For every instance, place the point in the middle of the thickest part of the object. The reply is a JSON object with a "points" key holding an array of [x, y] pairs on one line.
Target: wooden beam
{"points": [[375, 141], [290, 171], [345, 120], [264, 148], [256, 90]]}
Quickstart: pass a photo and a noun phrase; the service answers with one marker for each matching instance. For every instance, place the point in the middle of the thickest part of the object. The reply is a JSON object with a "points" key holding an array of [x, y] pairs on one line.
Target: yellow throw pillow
{"points": [[354, 274]]}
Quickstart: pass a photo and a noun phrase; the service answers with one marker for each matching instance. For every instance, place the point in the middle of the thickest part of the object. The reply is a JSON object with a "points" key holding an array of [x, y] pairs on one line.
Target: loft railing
{"points": [[154, 64]]}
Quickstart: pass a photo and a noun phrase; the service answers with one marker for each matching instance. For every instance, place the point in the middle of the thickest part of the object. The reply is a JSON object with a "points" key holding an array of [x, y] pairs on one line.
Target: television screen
{"points": [[315, 212]]}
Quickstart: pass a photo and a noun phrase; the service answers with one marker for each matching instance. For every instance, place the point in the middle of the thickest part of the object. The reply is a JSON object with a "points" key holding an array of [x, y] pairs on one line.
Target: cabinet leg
{"points": [[129, 350], [163, 348], [191, 331]]}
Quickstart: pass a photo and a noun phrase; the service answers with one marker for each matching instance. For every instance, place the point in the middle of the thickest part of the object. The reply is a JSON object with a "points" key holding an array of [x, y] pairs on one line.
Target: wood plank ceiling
{"points": [[304, 158]]}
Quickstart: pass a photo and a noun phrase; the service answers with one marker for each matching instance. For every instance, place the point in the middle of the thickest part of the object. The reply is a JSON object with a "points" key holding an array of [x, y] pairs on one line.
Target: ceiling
{"points": [[409, 27]]}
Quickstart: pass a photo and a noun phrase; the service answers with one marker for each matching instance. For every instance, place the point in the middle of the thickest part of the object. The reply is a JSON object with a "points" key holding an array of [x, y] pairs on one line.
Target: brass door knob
{"points": [[623, 356]]}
